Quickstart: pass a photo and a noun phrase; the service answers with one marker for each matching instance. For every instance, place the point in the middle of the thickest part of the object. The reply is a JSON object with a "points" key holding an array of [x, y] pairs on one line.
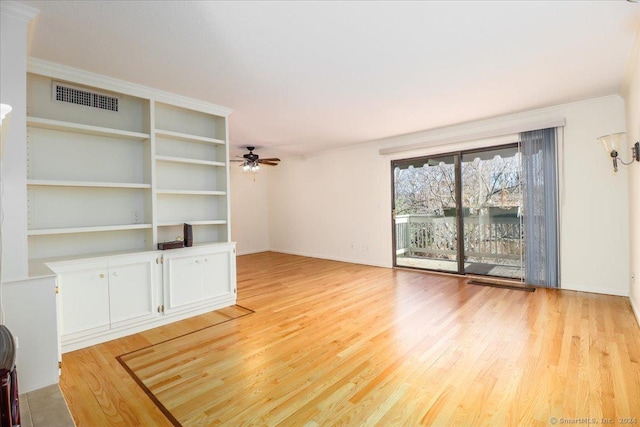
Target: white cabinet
{"points": [[102, 295], [84, 299], [132, 289], [194, 277], [113, 169], [110, 297]]}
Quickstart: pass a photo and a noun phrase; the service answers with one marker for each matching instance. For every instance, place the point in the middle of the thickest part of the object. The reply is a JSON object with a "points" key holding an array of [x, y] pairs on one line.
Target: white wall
{"points": [[595, 210], [632, 98], [30, 309], [337, 204], [29, 305], [249, 209], [333, 205], [13, 91]]}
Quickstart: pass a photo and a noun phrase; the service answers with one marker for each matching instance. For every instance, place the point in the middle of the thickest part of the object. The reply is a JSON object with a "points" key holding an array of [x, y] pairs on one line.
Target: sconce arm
{"points": [[635, 154]]}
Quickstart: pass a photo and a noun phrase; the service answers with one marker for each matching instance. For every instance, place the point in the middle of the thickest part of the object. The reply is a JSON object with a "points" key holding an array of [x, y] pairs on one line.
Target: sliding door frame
{"points": [[460, 247], [459, 216]]}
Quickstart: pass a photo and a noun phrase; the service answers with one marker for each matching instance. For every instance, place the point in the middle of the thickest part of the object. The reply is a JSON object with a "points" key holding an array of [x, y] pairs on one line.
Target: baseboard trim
{"points": [[636, 310], [606, 291], [252, 251], [331, 258], [603, 291]]}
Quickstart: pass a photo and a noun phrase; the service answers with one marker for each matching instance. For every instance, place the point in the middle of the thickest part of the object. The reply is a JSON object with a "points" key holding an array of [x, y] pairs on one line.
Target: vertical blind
{"points": [[540, 207]]}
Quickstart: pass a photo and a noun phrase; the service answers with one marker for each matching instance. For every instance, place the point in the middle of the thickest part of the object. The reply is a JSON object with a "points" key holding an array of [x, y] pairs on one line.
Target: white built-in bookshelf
{"points": [[113, 169], [103, 181]]}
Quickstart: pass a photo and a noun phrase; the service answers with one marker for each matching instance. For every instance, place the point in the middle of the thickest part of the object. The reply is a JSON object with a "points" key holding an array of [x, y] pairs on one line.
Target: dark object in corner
{"points": [[171, 245], [188, 235], [9, 397], [515, 287]]}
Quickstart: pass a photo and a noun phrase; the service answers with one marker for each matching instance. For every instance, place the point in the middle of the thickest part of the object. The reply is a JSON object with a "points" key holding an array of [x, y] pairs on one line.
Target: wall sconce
{"points": [[5, 115], [612, 144], [4, 111]]}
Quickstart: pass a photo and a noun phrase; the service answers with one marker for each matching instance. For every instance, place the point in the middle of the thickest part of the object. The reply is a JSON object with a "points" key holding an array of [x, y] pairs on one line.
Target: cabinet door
{"points": [[84, 299], [215, 274], [195, 277], [182, 281], [132, 295]]}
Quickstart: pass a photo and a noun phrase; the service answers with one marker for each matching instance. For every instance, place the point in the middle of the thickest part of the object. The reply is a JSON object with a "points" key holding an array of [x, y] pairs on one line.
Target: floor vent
{"points": [[73, 95]]}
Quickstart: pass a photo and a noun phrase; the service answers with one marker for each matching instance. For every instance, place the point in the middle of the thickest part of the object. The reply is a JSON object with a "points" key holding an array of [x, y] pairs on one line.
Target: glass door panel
{"points": [[491, 209], [425, 213]]}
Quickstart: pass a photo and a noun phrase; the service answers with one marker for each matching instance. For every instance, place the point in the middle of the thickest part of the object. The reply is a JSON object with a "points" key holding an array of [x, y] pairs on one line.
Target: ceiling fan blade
{"points": [[262, 162], [234, 160], [272, 159]]}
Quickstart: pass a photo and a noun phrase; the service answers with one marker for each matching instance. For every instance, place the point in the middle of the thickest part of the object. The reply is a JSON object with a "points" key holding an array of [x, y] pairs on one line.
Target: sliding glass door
{"points": [[425, 207], [492, 207], [460, 213]]}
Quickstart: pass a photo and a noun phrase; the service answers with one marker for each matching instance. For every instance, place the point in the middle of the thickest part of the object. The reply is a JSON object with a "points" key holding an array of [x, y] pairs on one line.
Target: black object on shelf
{"points": [[188, 235], [171, 245], [9, 397]]}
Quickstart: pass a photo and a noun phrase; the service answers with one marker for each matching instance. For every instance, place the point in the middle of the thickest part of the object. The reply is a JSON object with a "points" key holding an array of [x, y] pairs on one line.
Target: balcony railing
{"points": [[487, 239]]}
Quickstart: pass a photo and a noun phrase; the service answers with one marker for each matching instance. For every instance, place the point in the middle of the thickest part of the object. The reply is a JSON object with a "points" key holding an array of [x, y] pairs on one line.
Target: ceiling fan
{"points": [[251, 162]]}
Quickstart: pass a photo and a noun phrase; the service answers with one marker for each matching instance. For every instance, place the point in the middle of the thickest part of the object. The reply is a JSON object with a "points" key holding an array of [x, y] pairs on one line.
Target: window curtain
{"points": [[540, 200]]}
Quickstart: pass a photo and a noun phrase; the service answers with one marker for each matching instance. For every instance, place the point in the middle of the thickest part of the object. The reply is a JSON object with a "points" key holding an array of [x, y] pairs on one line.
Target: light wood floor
{"points": [[341, 344]]}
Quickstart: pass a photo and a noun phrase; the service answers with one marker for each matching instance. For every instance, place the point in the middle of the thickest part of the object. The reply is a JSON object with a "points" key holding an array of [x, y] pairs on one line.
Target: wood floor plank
{"points": [[332, 343]]}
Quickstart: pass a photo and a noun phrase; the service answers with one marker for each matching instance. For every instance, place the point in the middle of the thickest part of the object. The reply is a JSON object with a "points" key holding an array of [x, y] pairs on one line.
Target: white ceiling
{"points": [[308, 76]]}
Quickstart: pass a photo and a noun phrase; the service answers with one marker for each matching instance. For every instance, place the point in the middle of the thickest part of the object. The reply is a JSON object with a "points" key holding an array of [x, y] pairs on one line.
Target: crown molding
{"points": [[552, 116], [490, 133], [18, 10], [74, 75]]}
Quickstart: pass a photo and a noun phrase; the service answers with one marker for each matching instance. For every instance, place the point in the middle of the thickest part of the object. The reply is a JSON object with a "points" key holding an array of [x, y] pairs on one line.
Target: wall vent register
{"points": [[74, 95]]}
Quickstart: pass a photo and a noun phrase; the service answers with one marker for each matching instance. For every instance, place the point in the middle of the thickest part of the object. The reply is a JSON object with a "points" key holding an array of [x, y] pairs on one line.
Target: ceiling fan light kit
{"points": [[251, 162], [250, 167]]}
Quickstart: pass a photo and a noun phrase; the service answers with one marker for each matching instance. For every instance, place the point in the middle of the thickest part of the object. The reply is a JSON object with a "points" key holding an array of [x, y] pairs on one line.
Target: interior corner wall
{"points": [[632, 104], [334, 205], [594, 202], [249, 210], [13, 91], [337, 204]]}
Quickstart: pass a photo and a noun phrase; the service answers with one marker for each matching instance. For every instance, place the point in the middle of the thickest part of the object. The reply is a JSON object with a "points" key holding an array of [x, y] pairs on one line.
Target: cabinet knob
{"points": [[115, 273], [206, 260], [197, 261], [101, 276]]}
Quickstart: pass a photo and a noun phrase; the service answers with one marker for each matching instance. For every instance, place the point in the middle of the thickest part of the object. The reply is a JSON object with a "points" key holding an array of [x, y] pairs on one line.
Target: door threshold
{"points": [[485, 280], [498, 283]]}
